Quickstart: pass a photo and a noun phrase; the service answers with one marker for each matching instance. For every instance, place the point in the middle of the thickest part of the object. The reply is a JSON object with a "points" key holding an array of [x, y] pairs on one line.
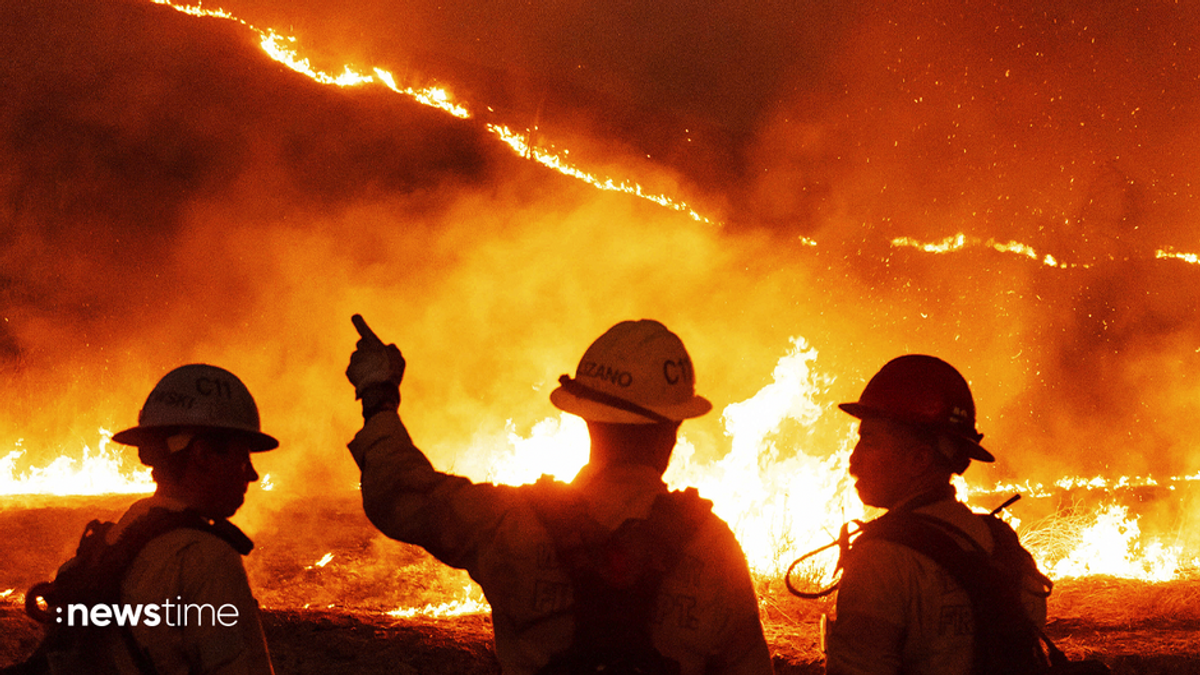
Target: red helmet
{"points": [[926, 392]]}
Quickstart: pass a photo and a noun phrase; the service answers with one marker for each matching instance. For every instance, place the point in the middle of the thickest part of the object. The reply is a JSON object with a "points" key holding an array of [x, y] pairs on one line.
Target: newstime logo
{"points": [[173, 614]]}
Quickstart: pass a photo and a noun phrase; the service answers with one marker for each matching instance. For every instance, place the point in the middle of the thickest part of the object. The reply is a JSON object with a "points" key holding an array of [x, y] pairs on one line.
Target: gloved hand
{"points": [[375, 370], [374, 363]]}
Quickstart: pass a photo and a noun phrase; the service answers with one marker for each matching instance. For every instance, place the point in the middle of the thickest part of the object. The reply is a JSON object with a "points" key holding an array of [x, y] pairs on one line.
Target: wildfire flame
{"points": [[782, 497], [518, 143], [96, 472], [961, 241], [1191, 258], [466, 604], [1112, 546], [282, 49], [782, 493], [782, 501], [325, 559]]}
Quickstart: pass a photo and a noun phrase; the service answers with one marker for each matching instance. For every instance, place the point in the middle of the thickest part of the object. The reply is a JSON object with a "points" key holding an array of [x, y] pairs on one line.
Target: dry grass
{"points": [[1123, 603], [1134, 626]]}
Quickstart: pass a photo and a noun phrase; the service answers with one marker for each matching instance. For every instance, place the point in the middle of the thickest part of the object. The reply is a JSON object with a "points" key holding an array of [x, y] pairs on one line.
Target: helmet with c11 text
{"points": [[198, 396], [925, 392], [638, 372]]}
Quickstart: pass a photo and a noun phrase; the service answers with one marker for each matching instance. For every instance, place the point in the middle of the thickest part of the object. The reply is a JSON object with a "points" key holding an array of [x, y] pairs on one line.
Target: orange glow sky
{"points": [[169, 194]]}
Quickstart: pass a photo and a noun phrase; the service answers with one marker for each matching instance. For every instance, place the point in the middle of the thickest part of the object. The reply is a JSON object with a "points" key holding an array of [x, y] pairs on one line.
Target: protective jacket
{"points": [[899, 612], [188, 567], [707, 614]]}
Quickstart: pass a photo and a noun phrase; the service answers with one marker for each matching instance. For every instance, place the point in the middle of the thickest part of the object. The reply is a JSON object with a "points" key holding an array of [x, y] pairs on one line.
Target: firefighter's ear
{"points": [[204, 450], [925, 453], [947, 447], [951, 454]]}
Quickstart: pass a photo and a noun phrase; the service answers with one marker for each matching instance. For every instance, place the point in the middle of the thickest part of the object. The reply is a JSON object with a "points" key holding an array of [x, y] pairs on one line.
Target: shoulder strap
{"points": [[99, 570], [674, 519], [615, 576], [100, 567], [159, 521], [1008, 552], [571, 529], [931, 538], [1003, 632]]}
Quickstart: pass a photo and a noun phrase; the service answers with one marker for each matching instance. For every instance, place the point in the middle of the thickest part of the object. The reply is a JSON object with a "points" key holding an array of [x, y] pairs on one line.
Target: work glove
{"points": [[375, 370], [374, 364]]}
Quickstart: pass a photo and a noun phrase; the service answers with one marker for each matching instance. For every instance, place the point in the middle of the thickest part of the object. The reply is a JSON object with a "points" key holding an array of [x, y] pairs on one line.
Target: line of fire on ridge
{"points": [[960, 241], [282, 49]]}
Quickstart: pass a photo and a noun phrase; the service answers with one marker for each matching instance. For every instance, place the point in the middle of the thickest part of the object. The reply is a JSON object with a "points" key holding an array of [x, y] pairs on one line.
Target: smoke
{"points": [[1070, 129], [150, 160], [172, 195]]}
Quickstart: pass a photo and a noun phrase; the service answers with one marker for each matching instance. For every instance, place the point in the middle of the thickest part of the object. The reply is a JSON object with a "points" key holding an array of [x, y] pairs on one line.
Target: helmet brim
{"points": [[148, 435], [595, 411], [972, 447]]}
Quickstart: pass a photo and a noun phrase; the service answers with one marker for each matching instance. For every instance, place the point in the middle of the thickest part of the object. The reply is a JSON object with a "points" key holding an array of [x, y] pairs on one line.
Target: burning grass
{"points": [[1134, 626], [1101, 539], [1105, 602], [327, 582]]}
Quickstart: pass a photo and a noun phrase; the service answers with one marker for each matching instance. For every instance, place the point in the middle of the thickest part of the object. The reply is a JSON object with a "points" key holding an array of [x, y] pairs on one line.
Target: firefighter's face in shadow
{"points": [[888, 462], [222, 471]]}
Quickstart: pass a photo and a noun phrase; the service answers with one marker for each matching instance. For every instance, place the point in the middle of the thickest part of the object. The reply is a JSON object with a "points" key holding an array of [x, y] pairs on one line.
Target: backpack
{"points": [[94, 577], [615, 578], [1007, 641]]}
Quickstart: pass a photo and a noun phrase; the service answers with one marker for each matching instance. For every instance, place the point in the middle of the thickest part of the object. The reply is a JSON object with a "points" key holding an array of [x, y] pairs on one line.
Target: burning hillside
{"points": [[174, 182]]}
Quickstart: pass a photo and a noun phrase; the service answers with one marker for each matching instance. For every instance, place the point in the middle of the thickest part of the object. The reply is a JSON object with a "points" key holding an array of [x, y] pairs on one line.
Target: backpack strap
{"points": [[99, 569], [933, 538], [615, 576], [1007, 550], [992, 581]]}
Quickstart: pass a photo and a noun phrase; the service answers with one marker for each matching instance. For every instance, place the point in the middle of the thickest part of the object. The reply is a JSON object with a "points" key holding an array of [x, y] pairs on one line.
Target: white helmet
{"points": [[197, 395], [638, 372]]}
